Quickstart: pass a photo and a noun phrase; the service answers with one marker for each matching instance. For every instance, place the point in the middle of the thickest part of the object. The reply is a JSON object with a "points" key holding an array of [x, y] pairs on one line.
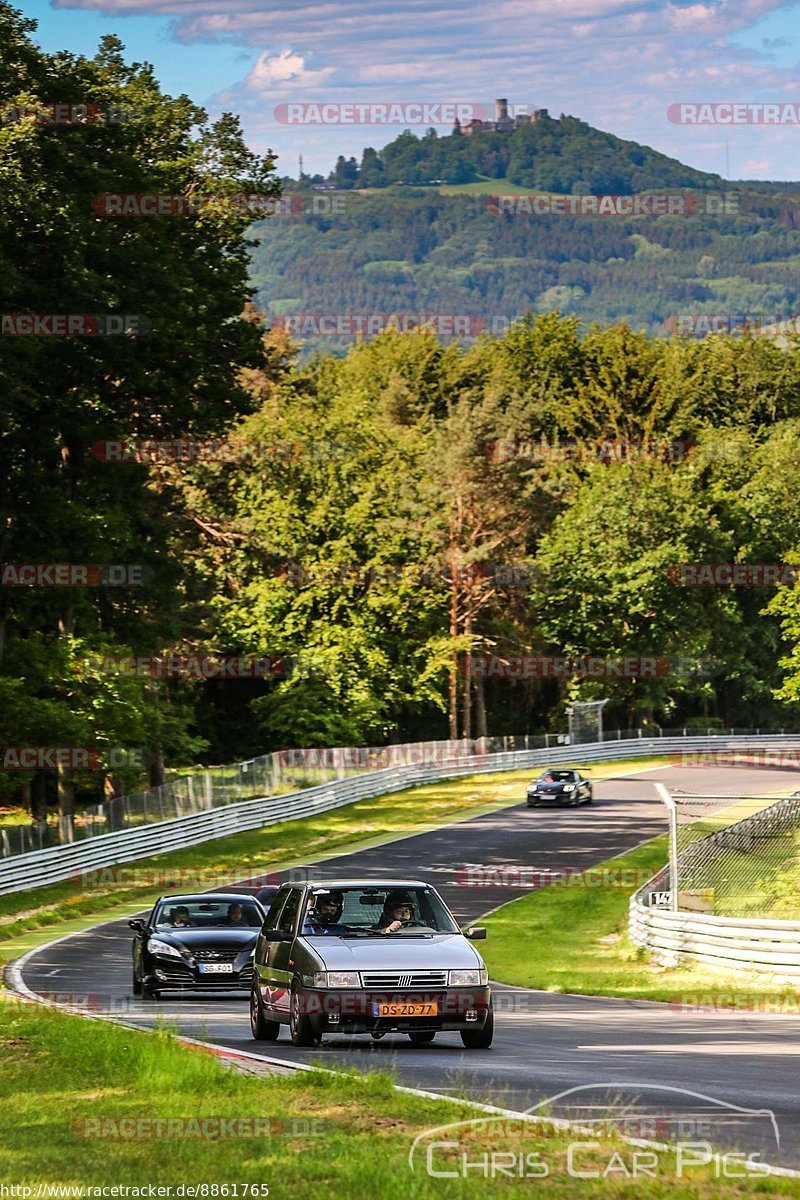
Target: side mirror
{"points": [[138, 924], [275, 935], [477, 933]]}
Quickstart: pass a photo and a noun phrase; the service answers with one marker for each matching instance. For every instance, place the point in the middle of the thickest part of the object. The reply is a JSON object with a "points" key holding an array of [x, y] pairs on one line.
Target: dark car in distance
{"points": [[561, 786], [201, 942]]}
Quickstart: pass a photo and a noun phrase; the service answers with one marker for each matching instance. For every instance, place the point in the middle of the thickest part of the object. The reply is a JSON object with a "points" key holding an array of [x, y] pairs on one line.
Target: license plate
{"points": [[216, 968], [411, 1009]]}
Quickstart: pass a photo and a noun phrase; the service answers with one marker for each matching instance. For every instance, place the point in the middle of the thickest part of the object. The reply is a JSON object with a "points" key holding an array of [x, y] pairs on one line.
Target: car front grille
{"points": [[403, 979], [227, 955]]}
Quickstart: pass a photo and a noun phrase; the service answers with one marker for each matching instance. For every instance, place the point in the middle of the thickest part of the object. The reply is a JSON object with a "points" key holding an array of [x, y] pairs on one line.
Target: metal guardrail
{"points": [[758, 944], [282, 771], [58, 863]]}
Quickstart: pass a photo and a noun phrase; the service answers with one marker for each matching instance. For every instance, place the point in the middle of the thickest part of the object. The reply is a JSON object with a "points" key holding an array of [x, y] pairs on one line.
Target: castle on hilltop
{"points": [[502, 122]]}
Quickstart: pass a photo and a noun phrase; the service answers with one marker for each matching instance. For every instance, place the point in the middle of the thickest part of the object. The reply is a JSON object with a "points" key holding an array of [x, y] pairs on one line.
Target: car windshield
{"points": [[558, 777], [373, 911], [208, 914]]}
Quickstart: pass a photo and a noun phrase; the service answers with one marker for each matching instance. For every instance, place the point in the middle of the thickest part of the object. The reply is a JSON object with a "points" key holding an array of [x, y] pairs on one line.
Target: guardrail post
{"points": [[672, 810]]}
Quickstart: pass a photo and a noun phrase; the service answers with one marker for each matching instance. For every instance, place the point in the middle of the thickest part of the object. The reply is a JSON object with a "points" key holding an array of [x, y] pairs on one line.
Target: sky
{"points": [[617, 64]]}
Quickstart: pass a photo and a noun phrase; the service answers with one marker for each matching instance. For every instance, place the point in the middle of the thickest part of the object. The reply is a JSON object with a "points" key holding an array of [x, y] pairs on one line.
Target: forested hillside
{"points": [[419, 251], [562, 155]]}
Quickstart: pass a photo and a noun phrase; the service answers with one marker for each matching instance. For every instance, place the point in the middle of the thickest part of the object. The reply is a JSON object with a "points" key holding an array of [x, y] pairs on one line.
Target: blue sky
{"points": [[618, 64]]}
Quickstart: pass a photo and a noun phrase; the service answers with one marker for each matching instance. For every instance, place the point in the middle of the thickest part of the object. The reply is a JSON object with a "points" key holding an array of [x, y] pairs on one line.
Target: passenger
{"points": [[325, 916], [236, 915]]}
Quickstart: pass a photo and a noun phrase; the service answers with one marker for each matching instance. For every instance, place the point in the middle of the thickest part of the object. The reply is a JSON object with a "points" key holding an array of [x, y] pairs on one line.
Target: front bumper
{"points": [[169, 975], [551, 797], [353, 1012]]}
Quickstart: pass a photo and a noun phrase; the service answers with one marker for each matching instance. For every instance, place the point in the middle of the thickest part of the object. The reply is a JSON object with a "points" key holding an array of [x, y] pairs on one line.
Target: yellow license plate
{"points": [[411, 1009]]}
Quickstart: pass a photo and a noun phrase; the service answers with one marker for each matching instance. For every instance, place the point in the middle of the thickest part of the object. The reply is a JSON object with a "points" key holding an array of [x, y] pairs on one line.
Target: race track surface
{"points": [[646, 1057]]}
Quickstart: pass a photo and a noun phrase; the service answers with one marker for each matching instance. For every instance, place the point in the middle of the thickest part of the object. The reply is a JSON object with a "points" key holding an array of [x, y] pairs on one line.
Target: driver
{"points": [[398, 911], [180, 917], [325, 916]]}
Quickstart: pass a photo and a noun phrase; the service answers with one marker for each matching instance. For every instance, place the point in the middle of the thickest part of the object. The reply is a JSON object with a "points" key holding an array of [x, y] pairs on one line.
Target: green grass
{"points": [[67, 1084], [572, 937], [275, 847]]}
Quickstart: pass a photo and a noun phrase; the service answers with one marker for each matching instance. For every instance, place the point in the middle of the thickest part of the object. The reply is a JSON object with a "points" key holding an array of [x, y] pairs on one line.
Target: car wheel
{"points": [[479, 1039], [301, 1027], [150, 993], [262, 1029], [423, 1037], [589, 797], [136, 984]]}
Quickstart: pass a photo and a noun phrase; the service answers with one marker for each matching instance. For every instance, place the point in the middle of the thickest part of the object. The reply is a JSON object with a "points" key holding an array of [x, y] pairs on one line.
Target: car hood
{"points": [[217, 939], [550, 787], [443, 951]]}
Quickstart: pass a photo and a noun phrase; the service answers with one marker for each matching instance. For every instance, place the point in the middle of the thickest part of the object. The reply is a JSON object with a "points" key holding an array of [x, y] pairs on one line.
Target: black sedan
{"points": [[200, 942], [560, 786]]}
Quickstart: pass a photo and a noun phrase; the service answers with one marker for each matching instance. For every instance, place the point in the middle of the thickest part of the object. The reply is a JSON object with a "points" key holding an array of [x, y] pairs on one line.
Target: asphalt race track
{"points": [[617, 1052]]}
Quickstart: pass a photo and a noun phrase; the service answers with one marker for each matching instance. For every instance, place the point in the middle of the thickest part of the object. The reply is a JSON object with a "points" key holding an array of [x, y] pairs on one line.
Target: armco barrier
{"points": [[736, 944], [58, 863]]}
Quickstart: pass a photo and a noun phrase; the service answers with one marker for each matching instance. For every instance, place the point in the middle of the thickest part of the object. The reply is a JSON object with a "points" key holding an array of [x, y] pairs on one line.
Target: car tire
{"points": [[150, 993], [423, 1037], [262, 1029], [479, 1039], [589, 797], [301, 1027], [136, 984]]}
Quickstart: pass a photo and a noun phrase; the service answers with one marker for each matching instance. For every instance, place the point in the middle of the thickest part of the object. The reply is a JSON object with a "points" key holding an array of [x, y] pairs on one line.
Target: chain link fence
{"points": [[735, 854]]}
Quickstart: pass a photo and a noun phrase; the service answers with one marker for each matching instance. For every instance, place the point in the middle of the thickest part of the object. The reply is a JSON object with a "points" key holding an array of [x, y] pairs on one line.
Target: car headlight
{"points": [[156, 946], [337, 979], [470, 978]]}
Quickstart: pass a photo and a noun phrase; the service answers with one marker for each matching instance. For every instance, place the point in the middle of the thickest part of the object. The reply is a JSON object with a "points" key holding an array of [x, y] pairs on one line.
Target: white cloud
{"points": [[275, 72]]}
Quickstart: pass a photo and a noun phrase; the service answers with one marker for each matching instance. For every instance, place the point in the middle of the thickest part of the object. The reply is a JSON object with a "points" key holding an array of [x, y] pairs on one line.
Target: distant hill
{"points": [[563, 155], [390, 248]]}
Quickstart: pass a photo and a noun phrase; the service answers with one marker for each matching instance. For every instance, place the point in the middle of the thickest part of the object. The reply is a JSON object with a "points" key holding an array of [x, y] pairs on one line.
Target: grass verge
{"points": [[572, 937], [273, 848], [94, 1105]]}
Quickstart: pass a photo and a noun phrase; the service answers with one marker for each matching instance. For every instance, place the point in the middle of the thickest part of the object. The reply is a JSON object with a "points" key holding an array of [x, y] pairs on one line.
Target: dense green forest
{"points": [[412, 251], [375, 525]]}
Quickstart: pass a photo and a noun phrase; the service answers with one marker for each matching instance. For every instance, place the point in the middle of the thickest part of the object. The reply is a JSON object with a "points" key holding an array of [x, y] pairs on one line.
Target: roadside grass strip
{"points": [[91, 1104], [273, 848], [571, 936]]}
